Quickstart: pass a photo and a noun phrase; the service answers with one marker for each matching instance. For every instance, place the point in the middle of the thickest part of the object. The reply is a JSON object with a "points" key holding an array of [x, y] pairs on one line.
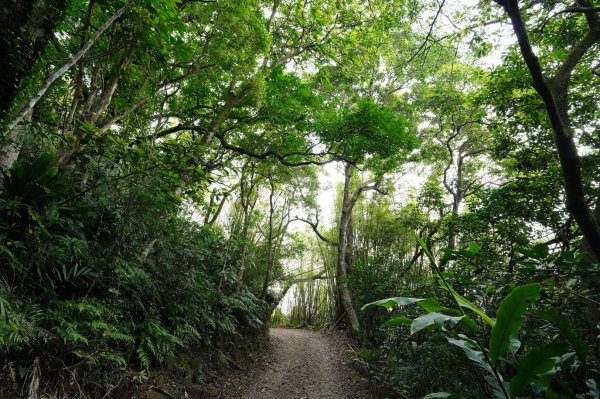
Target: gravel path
{"points": [[301, 365]]}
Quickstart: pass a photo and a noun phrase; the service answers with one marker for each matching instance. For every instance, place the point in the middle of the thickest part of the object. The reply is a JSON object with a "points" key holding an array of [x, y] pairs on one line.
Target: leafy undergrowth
{"points": [[101, 293], [436, 343], [188, 374]]}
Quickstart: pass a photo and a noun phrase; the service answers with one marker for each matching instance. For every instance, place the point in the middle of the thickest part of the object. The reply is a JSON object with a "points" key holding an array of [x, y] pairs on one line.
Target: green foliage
{"points": [[509, 318], [278, 318], [539, 366], [115, 256], [566, 331], [370, 134], [75, 287], [541, 360]]}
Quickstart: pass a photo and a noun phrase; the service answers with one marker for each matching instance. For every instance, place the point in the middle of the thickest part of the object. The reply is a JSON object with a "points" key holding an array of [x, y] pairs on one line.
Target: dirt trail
{"points": [[301, 365]]}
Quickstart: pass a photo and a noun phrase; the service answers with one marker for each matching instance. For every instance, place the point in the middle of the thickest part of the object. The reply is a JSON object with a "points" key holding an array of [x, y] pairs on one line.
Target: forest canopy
{"points": [[163, 187]]}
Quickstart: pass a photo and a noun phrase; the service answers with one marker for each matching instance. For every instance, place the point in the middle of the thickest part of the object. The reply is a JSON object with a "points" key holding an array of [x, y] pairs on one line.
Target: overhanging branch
{"points": [[315, 227]]}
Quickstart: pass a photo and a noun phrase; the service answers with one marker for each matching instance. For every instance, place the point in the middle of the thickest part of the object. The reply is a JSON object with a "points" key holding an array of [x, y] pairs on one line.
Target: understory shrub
{"points": [[97, 289]]}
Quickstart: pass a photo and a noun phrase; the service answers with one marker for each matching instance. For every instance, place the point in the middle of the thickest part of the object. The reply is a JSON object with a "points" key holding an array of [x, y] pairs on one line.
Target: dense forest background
{"points": [[160, 191]]}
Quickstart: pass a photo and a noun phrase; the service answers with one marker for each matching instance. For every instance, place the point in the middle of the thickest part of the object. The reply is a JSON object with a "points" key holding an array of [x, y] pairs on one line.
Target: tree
{"points": [[26, 28], [373, 138], [287, 190], [554, 91], [456, 133], [10, 150]]}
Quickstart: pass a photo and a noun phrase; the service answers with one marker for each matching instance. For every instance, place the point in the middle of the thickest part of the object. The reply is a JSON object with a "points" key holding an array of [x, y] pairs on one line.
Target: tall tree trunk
{"points": [[270, 252], [452, 228], [97, 103], [11, 150], [350, 245], [554, 93], [457, 197], [341, 266], [247, 207]]}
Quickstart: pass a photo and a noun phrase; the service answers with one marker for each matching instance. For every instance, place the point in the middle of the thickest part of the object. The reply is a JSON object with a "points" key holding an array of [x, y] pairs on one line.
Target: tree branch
{"points": [[282, 158], [567, 150], [316, 230], [61, 71]]}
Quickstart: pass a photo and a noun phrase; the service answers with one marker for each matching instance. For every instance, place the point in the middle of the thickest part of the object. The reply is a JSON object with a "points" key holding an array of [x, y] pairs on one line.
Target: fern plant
{"points": [[156, 343]]}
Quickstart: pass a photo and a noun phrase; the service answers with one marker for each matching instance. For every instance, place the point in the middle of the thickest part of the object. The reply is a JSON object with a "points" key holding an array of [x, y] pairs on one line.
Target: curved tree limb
{"points": [[315, 227]]}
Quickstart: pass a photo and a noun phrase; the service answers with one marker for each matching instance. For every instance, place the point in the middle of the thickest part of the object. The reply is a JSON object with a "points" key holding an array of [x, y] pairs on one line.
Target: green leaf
{"points": [[527, 252], [51, 213], [439, 395], [427, 304], [499, 388], [469, 323], [510, 318], [432, 318], [36, 217], [465, 303], [391, 302], [50, 173], [539, 361], [396, 321], [474, 248], [564, 326], [541, 251], [431, 305], [515, 343], [592, 388], [470, 350], [462, 302]]}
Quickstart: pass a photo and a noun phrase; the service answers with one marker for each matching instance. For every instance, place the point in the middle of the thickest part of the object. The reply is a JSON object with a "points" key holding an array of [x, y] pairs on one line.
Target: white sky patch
{"points": [[329, 178]]}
